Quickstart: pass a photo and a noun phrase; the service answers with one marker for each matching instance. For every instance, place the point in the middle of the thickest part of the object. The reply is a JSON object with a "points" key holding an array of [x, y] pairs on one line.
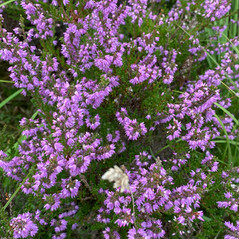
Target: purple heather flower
{"points": [[23, 226], [53, 201]]}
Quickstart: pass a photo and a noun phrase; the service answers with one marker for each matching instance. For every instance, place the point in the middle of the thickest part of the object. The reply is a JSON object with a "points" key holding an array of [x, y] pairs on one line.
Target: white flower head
{"points": [[158, 161], [118, 176]]}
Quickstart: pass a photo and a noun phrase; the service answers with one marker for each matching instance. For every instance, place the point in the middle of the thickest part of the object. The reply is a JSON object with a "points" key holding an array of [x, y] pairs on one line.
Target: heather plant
{"points": [[131, 92]]}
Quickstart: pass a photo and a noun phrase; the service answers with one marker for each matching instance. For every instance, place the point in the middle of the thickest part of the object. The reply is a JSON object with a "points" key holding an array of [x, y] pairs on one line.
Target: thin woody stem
{"points": [[132, 196]]}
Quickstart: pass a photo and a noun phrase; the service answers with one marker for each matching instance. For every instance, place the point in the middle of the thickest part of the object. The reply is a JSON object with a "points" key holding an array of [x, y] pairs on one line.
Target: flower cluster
{"points": [[234, 230], [149, 193], [132, 128], [23, 226]]}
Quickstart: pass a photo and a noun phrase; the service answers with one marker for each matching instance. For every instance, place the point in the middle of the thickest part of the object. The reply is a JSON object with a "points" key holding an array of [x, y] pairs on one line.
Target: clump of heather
{"points": [[151, 191], [116, 84]]}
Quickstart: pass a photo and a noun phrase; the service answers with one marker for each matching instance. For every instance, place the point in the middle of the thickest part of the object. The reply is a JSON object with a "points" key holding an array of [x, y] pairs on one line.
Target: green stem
{"points": [[132, 196], [6, 81], [15, 193]]}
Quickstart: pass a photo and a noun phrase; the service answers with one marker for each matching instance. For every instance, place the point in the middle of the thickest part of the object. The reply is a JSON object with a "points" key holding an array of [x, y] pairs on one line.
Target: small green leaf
{"points": [[207, 219]]}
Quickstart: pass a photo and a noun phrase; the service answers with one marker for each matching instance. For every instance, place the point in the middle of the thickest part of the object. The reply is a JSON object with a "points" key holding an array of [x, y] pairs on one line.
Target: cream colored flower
{"points": [[118, 176], [158, 161]]}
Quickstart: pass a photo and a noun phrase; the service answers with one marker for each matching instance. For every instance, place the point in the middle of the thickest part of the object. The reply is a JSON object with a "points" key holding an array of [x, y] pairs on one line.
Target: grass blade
{"points": [[234, 26], [228, 147], [225, 141], [24, 180], [22, 137], [227, 112], [6, 81], [210, 56], [10, 98], [5, 3], [17, 190]]}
